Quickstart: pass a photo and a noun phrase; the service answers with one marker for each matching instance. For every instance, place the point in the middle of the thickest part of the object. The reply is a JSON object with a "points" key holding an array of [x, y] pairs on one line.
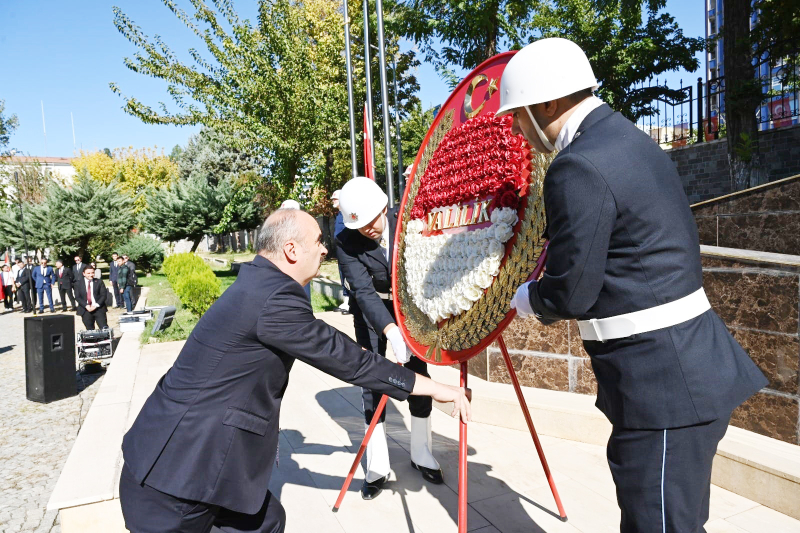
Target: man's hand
{"points": [[440, 392], [401, 351], [521, 301]]}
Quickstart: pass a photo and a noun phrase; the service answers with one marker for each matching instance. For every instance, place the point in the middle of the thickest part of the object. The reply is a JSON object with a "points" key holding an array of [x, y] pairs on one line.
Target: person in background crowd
{"points": [[130, 283], [64, 281], [338, 226], [22, 281], [8, 287], [15, 268], [90, 294], [43, 280], [29, 266], [98, 274], [113, 277], [122, 279], [77, 271]]}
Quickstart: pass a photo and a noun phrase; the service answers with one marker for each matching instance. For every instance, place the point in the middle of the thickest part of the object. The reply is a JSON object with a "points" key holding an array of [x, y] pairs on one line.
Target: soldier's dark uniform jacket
{"points": [[623, 239], [367, 273]]}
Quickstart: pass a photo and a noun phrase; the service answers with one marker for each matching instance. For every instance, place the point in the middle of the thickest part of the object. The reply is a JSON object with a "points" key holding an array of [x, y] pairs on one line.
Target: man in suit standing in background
{"points": [[24, 281], [90, 295], [201, 452], [624, 260], [113, 277], [29, 266], [43, 280], [64, 280]]}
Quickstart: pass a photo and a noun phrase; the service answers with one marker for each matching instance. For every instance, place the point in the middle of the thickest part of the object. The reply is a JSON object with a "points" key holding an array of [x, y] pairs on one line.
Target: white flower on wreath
{"points": [[446, 274]]}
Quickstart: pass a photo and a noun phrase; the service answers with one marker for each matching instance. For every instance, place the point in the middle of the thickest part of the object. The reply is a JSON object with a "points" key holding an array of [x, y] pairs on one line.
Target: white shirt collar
{"points": [[570, 127]]}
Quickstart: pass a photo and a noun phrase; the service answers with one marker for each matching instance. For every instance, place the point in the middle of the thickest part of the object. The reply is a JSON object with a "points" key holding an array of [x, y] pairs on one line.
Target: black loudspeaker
{"points": [[50, 358]]}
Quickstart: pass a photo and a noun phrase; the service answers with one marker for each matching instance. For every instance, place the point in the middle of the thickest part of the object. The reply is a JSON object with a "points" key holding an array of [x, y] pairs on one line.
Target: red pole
{"points": [[462, 463], [375, 418], [527, 414]]}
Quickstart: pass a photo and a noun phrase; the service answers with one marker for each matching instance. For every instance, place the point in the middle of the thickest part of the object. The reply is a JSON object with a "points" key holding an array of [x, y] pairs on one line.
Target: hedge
{"points": [[193, 281]]}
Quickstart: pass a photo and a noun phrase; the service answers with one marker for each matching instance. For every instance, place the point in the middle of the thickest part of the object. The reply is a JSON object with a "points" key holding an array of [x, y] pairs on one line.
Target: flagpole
{"points": [[368, 75], [387, 135], [350, 109], [400, 178]]}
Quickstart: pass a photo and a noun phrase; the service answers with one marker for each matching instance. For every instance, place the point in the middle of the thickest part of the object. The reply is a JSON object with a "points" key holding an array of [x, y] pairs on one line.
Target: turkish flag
{"points": [[369, 169]]}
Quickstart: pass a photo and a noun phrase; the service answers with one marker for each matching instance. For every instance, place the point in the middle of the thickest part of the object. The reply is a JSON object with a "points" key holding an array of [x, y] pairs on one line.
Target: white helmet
{"points": [[290, 204], [360, 201], [544, 70]]}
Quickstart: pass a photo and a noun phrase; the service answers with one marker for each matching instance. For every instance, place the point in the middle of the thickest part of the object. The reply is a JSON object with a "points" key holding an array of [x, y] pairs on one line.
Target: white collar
{"points": [[570, 127]]}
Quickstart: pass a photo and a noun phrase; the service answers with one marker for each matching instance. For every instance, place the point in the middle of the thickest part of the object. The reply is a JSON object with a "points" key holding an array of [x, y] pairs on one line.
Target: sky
{"points": [[62, 55]]}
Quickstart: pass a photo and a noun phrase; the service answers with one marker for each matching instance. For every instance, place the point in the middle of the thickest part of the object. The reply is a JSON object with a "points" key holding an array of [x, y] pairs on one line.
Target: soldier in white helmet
{"points": [[365, 256], [624, 260]]}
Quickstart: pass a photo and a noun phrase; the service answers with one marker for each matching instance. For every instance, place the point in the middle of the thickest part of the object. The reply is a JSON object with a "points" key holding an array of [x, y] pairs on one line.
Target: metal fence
{"points": [[697, 112]]}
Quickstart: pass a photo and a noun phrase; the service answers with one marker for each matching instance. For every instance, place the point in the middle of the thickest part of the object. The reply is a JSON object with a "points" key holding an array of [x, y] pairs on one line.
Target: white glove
{"points": [[521, 302], [401, 351]]}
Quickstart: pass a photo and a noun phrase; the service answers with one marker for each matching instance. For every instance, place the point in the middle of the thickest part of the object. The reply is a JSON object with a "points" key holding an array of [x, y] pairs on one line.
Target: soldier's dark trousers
{"points": [[420, 406], [147, 510], [663, 476]]}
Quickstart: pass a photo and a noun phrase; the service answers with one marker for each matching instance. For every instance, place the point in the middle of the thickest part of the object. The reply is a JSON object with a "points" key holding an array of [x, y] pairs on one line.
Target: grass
{"points": [[161, 293]]}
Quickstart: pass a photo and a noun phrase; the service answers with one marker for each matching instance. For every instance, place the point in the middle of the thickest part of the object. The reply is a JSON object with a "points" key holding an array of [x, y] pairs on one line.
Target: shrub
{"points": [[146, 252], [193, 281]]}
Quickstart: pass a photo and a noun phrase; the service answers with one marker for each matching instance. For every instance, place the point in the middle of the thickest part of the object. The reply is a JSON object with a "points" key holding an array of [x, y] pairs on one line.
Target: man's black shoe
{"points": [[429, 474], [371, 490]]}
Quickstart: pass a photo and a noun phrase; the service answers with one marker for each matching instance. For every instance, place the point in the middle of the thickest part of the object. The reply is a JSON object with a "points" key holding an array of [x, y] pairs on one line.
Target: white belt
{"points": [[658, 317]]}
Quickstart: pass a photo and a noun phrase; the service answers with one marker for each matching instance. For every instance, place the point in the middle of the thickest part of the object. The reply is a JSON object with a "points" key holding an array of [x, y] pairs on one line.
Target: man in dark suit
{"points": [[113, 273], [90, 294], [365, 251], [201, 451], [29, 266], [24, 282], [624, 259], [65, 281], [43, 279]]}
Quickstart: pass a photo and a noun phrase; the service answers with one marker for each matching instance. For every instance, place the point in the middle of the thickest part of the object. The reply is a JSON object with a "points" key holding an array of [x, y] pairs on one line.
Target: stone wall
{"points": [[704, 170], [764, 218], [759, 302]]}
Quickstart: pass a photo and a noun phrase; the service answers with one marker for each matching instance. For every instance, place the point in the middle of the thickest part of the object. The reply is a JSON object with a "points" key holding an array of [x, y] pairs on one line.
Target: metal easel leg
{"points": [[462, 463], [375, 419], [529, 421]]}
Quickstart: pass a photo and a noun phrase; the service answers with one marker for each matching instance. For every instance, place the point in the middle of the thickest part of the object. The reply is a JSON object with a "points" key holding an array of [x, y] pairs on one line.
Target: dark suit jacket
{"points": [[623, 239], [25, 279], [98, 294], [77, 271], [113, 270], [43, 280], [64, 281], [209, 431], [367, 272]]}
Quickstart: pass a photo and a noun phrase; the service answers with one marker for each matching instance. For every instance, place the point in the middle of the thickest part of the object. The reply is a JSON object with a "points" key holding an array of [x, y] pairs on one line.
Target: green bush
{"points": [[146, 252], [193, 281]]}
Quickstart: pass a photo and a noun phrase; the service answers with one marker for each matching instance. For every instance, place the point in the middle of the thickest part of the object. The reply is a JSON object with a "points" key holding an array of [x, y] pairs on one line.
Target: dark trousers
{"points": [[24, 297], [9, 296], [147, 510], [663, 477], [48, 290], [117, 293], [33, 298], [98, 315], [420, 406], [62, 295]]}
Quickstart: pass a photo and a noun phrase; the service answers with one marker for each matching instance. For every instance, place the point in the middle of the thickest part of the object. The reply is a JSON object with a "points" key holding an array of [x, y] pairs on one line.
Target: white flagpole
{"points": [[72, 119], [44, 129]]}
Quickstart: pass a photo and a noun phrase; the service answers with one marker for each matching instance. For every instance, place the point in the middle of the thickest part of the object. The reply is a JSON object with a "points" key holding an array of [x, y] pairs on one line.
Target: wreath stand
{"points": [[462, 440]]}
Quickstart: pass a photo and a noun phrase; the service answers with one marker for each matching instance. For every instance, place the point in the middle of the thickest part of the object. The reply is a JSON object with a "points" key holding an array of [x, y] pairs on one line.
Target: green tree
{"points": [[7, 125], [188, 209], [627, 42], [87, 217]]}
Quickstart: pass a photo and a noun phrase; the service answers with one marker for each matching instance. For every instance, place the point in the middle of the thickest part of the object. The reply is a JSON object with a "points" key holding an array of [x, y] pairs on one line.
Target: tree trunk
{"points": [[196, 243], [742, 96]]}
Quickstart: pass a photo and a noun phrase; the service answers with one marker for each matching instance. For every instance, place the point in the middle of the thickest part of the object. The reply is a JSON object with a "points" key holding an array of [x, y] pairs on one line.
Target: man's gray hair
{"points": [[279, 228]]}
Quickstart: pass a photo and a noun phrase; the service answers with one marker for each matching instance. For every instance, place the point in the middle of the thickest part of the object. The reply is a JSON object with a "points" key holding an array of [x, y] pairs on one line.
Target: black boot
{"points": [[429, 474], [371, 490]]}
